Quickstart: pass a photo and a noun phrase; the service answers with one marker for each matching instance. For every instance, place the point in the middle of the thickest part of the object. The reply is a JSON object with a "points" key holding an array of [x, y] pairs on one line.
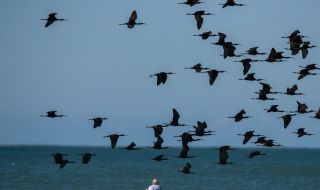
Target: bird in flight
{"points": [[51, 19], [161, 77], [52, 114], [97, 122], [198, 16], [132, 20]]}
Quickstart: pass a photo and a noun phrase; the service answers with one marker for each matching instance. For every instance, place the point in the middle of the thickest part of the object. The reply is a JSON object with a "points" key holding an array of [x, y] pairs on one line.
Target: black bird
{"points": [[275, 56], [58, 157], [191, 2], [262, 95], [274, 108], [132, 20], [228, 50], [186, 138], [286, 119], [292, 35], [198, 68], [255, 153], [293, 91], [97, 122], [251, 77], [300, 132], [87, 157], [221, 40], [63, 163], [114, 139], [231, 3], [205, 35], [223, 155], [198, 16], [161, 77], [304, 49], [247, 136], [270, 143], [158, 144], [254, 51], [302, 108], [295, 43], [159, 158], [51, 19], [200, 129], [52, 114], [186, 169], [239, 116], [266, 88], [131, 146], [246, 63], [175, 119], [303, 73], [261, 140], [311, 67], [213, 74], [184, 152], [157, 129], [317, 114]]}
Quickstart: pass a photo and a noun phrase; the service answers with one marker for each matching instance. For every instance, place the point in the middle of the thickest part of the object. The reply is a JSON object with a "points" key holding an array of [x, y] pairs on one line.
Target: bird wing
{"points": [[133, 17], [176, 116], [246, 68], [114, 140], [49, 22], [286, 121], [212, 76], [304, 53], [199, 20]]}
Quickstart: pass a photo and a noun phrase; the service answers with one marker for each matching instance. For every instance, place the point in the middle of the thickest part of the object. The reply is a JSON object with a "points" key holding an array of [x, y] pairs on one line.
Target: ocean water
{"points": [[31, 167]]}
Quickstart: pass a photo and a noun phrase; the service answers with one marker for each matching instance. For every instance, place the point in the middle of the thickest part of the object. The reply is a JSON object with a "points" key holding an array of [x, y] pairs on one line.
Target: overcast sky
{"points": [[90, 66]]}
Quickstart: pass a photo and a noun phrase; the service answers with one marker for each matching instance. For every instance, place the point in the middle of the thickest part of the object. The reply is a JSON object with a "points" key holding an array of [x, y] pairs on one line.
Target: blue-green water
{"points": [[32, 168]]}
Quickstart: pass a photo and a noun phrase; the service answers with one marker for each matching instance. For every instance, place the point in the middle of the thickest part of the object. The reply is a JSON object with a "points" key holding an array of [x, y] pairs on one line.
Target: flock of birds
{"points": [[296, 45]]}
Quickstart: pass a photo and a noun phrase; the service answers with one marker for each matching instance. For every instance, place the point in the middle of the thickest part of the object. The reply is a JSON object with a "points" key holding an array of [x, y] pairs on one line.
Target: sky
{"points": [[89, 66]]}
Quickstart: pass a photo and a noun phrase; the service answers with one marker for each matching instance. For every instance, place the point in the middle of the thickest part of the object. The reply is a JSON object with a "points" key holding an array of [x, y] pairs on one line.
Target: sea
{"points": [[32, 167]]}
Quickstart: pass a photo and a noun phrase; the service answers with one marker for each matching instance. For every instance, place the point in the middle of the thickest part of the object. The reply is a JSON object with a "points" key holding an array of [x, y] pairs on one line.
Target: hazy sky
{"points": [[90, 66]]}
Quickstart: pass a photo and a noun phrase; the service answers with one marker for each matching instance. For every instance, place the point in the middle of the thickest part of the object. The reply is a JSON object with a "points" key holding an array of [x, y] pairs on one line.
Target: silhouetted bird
{"points": [[300, 132], [231, 3], [229, 49], [292, 35], [302, 108], [205, 35], [58, 157], [161, 77], [198, 16], [223, 155], [184, 152], [97, 122], [303, 73], [186, 169], [51, 19], [260, 140], [311, 67], [63, 163], [317, 114], [198, 67], [251, 77], [304, 49], [213, 74], [131, 146], [114, 139], [200, 129], [275, 56], [191, 2], [274, 108], [158, 144], [160, 158], [186, 138], [270, 143], [157, 129], [132, 20], [286, 119], [255, 153], [262, 95], [266, 88], [221, 40], [254, 51], [239, 116], [293, 91], [246, 63], [175, 119], [52, 114], [87, 157], [247, 136]]}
